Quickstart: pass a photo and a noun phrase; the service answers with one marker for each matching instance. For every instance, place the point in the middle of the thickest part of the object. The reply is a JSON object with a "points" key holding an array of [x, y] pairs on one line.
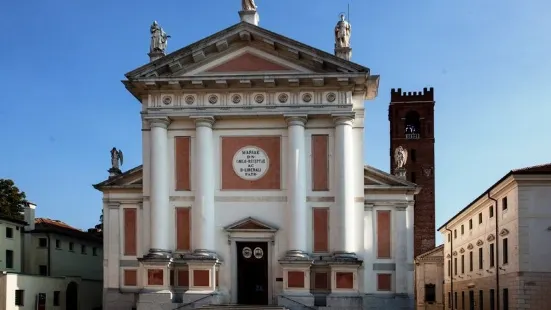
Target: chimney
{"points": [[29, 215]]}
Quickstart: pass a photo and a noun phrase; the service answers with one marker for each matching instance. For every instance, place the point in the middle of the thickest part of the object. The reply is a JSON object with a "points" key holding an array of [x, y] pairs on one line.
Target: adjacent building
{"points": [[497, 248], [253, 188], [49, 264], [429, 279]]}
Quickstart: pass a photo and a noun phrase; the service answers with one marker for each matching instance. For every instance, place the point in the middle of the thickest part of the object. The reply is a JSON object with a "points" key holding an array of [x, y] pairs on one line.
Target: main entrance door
{"points": [[252, 273]]}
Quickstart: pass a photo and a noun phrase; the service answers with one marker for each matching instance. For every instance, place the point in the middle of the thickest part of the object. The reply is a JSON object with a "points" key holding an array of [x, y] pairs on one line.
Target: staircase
{"points": [[240, 307]]}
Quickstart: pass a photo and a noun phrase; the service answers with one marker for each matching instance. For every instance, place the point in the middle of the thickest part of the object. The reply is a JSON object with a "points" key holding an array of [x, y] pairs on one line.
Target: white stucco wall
{"points": [[14, 244], [90, 292]]}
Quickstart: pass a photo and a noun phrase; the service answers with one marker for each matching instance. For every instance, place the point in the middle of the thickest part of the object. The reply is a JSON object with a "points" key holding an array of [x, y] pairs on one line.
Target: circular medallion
{"points": [[247, 252], [258, 253], [250, 163], [190, 99], [331, 97], [259, 98], [307, 97], [213, 99], [167, 100], [236, 99], [283, 98]]}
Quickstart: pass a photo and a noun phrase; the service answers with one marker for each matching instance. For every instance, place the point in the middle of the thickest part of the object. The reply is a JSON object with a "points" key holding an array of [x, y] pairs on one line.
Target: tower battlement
{"points": [[396, 95]]}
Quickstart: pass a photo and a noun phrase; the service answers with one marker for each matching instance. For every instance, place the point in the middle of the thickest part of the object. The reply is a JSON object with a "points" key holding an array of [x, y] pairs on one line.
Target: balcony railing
{"points": [[412, 136]]}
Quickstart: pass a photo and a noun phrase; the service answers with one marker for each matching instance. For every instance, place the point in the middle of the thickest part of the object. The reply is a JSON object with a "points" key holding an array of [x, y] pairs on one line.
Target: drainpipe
{"points": [[450, 268], [496, 253], [49, 255]]}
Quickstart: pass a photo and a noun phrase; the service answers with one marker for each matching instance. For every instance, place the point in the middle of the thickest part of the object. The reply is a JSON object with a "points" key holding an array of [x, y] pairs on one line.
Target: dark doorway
{"points": [[471, 300], [252, 273], [71, 296]]}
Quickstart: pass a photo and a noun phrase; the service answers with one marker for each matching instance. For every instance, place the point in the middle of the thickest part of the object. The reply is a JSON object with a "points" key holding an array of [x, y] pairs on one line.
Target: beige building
{"points": [[429, 276], [47, 264], [497, 249]]}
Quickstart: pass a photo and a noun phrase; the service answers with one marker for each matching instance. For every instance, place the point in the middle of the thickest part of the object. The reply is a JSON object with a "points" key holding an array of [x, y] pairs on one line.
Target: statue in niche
{"points": [[248, 5], [400, 157], [342, 33], [116, 157], [159, 38]]}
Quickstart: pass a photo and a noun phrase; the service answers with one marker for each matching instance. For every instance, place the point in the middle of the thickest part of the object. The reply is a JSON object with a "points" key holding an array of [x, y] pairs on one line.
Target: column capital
{"points": [[162, 122], [203, 121], [296, 119], [401, 206], [343, 118]]}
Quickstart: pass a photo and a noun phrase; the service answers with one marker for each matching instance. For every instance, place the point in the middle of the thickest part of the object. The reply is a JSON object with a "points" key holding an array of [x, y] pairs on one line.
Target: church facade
{"points": [[253, 188]]}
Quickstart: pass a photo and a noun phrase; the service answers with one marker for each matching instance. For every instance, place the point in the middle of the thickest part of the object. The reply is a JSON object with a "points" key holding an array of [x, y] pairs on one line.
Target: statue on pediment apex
{"points": [[116, 157], [248, 5], [343, 31], [400, 157], [159, 38]]}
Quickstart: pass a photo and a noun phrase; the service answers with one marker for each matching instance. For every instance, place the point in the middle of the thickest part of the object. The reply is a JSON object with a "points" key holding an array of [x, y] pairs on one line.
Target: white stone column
{"points": [[409, 256], [400, 249], [369, 255], [344, 185], [160, 189], [297, 212], [203, 208]]}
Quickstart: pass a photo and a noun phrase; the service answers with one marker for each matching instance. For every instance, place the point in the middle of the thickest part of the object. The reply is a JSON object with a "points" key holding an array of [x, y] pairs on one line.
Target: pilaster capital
{"points": [[401, 207], [203, 121], [346, 119], [296, 119], [161, 122]]}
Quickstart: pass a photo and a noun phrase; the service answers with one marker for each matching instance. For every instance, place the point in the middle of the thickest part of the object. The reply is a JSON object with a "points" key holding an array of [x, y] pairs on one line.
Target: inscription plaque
{"points": [[250, 163]]}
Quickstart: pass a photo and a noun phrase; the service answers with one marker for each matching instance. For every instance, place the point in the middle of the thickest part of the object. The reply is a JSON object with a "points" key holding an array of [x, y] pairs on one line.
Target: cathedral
{"points": [[253, 188]]}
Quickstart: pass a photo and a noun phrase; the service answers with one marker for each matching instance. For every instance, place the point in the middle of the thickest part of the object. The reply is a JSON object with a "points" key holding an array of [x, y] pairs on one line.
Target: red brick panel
{"points": [[155, 277], [183, 278], [130, 233], [183, 229], [295, 279], [320, 163], [182, 147], [271, 180], [384, 282], [383, 234], [201, 278], [130, 277], [320, 229], [345, 280], [248, 62], [321, 280]]}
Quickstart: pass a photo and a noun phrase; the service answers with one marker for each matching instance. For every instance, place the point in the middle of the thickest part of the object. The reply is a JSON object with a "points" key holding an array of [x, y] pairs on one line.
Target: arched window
{"points": [[413, 123]]}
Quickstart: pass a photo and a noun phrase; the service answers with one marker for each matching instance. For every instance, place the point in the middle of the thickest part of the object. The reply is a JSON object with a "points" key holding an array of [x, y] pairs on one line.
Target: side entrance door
{"points": [[252, 273]]}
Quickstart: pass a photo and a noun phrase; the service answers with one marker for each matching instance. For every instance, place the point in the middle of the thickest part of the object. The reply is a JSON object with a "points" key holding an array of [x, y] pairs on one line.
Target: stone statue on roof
{"points": [[248, 5], [159, 38], [116, 157], [400, 157], [342, 33]]}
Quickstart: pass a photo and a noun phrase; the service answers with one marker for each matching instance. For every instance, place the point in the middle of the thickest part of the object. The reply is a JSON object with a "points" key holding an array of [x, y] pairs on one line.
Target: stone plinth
{"points": [[250, 17]]}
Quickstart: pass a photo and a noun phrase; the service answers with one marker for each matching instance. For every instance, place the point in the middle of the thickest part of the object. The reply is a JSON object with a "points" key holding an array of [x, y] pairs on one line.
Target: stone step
{"points": [[240, 307]]}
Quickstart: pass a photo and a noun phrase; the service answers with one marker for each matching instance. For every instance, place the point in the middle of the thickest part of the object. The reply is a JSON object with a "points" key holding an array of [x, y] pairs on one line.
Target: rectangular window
{"points": [[320, 229], [95, 251], [480, 218], [492, 300], [504, 203], [462, 263], [320, 162], [462, 229], [56, 298], [43, 270], [471, 224], [491, 211], [413, 155], [463, 300], [471, 261], [455, 265], [384, 229], [182, 155], [71, 247], [83, 249], [430, 293], [384, 282], [492, 263], [9, 259], [19, 297], [183, 229], [455, 233], [42, 242], [480, 259], [130, 231], [449, 300], [481, 300], [449, 237], [455, 300], [9, 232], [505, 251], [57, 244], [505, 299], [449, 267]]}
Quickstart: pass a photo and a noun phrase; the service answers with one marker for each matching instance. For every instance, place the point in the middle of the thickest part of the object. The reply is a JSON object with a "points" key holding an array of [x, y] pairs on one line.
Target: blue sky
{"points": [[63, 106]]}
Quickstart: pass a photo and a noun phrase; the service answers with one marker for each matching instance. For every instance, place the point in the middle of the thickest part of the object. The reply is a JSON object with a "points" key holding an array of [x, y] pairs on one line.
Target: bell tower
{"points": [[411, 116]]}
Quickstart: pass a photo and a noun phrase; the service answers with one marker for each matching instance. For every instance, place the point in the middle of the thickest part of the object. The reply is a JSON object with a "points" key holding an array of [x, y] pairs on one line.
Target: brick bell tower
{"points": [[411, 117]]}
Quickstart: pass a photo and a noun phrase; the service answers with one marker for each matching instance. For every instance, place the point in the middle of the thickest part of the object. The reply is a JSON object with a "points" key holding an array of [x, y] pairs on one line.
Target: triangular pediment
{"points": [[285, 55], [374, 178], [132, 178], [250, 224]]}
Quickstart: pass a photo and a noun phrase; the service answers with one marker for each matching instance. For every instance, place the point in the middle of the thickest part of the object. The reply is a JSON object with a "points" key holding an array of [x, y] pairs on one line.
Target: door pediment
{"points": [[250, 224]]}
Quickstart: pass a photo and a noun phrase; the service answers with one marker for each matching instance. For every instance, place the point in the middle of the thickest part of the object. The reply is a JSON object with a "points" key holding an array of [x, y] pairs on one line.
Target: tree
{"points": [[12, 200]]}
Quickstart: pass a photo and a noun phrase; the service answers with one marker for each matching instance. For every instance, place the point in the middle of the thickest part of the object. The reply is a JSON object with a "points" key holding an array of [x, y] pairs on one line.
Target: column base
{"points": [[344, 256], [296, 255], [158, 254]]}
